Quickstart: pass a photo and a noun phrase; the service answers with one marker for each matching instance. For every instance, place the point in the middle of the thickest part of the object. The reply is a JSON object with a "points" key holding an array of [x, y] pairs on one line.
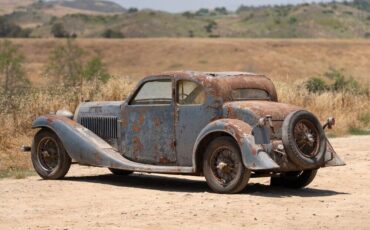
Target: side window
{"points": [[154, 93], [190, 93]]}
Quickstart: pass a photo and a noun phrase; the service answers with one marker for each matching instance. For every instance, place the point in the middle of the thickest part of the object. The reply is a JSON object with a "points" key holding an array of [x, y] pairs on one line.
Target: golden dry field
{"points": [[281, 60], [289, 63]]}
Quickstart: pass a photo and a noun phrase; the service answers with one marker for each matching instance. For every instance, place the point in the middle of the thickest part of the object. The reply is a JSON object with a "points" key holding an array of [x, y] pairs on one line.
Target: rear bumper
{"points": [[281, 158]]}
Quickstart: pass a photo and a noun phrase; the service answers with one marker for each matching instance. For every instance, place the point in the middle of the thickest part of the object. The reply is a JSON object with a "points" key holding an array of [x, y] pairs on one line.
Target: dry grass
{"points": [[281, 60], [347, 108], [15, 124], [284, 61]]}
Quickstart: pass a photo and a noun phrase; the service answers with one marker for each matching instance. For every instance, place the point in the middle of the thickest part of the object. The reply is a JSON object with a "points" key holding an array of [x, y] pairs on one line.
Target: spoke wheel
{"points": [[48, 153], [306, 137], [49, 158], [223, 166]]}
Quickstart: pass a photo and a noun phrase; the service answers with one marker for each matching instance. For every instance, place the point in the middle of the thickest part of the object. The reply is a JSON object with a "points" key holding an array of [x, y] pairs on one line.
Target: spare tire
{"points": [[304, 139]]}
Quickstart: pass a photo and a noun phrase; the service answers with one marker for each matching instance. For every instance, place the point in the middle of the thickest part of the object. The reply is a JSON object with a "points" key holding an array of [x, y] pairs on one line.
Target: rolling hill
{"points": [[93, 18]]}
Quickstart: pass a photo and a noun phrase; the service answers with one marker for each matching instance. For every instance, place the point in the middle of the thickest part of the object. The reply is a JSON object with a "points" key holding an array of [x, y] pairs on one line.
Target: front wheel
{"points": [[49, 158], [297, 180], [223, 166]]}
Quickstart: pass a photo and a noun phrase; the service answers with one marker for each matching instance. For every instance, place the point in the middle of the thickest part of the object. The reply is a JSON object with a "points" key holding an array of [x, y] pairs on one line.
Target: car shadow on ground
{"points": [[173, 184]]}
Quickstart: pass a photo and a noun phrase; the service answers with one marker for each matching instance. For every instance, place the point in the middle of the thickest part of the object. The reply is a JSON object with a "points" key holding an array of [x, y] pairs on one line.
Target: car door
{"points": [[193, 113], [149, 126]]}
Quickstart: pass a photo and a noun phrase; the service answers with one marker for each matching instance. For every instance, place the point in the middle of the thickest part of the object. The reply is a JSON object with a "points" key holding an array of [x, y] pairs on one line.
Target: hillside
{"points": [[91, 19], [89, 5], [9, 6]]}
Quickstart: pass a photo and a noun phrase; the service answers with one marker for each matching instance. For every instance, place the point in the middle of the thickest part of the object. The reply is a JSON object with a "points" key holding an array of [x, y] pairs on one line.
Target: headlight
{"points": [[64, 113], [262, 122]]}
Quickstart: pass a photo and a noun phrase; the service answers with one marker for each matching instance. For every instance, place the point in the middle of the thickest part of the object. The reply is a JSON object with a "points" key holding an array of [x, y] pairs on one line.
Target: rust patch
{"points": [[138, 124], [164, 160], [157, 122], [277, 110], [53, 118], [137, 147]]}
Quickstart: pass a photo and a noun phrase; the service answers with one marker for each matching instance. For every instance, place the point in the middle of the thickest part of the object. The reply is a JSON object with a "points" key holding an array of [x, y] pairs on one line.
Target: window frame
{"points": [[251, 99], [177, 92], [164, 79]]}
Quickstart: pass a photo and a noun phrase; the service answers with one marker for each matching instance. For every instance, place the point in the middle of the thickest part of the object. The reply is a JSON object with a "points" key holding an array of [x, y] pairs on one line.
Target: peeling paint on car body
{"points": [[169, 137]]}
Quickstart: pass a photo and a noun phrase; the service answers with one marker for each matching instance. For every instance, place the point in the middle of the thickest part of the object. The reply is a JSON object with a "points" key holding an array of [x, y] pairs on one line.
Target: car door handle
{"points": [[177, 114]]}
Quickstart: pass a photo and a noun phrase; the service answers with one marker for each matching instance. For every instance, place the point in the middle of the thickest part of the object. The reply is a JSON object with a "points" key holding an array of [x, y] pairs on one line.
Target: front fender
{"points": [[81, 144], [254, 157]]}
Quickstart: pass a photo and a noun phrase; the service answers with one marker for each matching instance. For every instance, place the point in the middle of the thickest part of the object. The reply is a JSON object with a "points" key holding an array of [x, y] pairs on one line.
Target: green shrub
{"points": [[338, 83], [292, 20], [109, 33], [10, 30], [342, 83], [58, 31], [316, 85]]}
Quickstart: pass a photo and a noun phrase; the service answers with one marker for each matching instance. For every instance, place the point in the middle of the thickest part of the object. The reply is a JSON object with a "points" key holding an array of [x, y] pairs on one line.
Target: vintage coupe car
{"points": [[227, 126]]}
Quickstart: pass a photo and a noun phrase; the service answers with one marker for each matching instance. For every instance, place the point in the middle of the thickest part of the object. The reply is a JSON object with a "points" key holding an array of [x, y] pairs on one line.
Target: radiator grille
{"points": [[105, 127]]}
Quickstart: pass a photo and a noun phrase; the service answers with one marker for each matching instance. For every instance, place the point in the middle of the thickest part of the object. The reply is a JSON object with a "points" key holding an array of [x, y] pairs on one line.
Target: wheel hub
{"points": [[48, 153], [306, 138], [222, 166], [225, 166]]}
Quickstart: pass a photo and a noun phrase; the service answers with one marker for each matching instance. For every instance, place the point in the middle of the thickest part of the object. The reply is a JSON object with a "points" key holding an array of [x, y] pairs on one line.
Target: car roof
{"points": [[222, 82], [195, 74]]}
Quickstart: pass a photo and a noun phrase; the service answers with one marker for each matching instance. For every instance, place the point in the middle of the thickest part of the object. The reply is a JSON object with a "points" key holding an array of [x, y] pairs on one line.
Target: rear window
{"points": [[250, 94]]}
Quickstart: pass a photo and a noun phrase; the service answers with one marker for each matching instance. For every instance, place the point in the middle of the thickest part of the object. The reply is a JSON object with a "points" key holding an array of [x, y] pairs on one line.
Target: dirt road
{"points": [[91, 198]]}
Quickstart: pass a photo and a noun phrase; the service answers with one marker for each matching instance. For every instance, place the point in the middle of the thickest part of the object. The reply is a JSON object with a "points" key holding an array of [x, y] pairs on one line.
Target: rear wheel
{"points": [[120, 172], [49, 158], [223, 166], [299, 179]]}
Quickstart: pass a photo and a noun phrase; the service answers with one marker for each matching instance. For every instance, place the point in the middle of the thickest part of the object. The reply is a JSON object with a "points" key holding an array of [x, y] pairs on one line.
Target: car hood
{"points": [[251, 111], [100, 108]]}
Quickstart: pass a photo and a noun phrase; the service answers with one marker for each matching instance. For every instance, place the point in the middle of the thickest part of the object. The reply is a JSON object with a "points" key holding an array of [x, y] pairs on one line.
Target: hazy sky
{"points": [[184, 5]]}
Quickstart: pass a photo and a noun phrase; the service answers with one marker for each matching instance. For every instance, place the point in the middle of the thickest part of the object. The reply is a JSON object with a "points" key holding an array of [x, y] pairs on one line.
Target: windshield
{"points": [[250, 94]]}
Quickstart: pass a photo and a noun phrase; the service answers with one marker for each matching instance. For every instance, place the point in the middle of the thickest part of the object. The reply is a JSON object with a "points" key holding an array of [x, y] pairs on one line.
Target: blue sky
{"points": [[191, 5]]}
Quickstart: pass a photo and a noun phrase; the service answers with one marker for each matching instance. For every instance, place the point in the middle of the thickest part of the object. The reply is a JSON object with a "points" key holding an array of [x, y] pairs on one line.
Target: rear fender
{"points": [[254, 158], [331, 157]]}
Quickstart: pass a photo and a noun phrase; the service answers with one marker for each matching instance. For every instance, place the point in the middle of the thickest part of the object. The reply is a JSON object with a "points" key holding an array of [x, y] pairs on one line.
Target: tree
{"points": [[211, 26], [69, 66], [58, 31], [11, 67], [109, 33], [221, 10], [65, 64], [11, 30], [132, 10], [202, 12]]}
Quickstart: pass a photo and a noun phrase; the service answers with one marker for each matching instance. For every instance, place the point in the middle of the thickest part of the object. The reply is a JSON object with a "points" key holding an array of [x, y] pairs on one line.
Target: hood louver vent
{"points": [[105, 127]]}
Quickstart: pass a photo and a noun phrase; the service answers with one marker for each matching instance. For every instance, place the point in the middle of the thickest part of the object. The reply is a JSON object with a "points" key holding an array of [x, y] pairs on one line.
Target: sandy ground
{"points": [[91, 198]]}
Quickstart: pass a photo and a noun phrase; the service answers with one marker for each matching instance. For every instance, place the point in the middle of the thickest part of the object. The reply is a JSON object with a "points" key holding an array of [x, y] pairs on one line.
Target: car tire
{"points": [[304, 139], [223, 166], [296, 180], [120, 172], [49, 158]]}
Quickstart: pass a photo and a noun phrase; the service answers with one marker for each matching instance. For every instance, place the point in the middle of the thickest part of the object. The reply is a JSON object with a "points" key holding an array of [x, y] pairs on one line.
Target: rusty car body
{"points": [[227, 126]]}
